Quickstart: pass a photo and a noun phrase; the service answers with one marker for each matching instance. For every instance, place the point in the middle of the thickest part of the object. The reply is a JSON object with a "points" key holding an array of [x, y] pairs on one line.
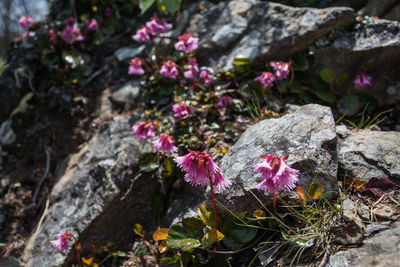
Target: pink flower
{"points": [[266, 79], [26, 22], [61, 243], [362, 80], [224, 101], [135, 66], [108, 12], [199, 168], [193, 69], [207, 79], [165, 143], [182, 111], [144, 130], [141, 35], [92, 25], [276, 174], [52, 36], [282, 69], [71, 33], [169, 70], [157, 26], [25, 35], [186, 43]]}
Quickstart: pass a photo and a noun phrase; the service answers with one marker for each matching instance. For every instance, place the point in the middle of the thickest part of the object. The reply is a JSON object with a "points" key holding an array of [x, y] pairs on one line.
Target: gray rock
{"points": [[364, 212], [346, 234], [368, 154], [372, 228], [7, 135], [373, 49], [307, 136], [90, 198], [381, 250], [261, 30], [128, 93], [128, 52]]}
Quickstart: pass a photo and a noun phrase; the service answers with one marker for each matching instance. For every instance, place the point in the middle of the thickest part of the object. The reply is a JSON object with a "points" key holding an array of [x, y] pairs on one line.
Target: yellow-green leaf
{"points": [[160, 234], [315, 191], [138, 229], [259, 214], [211, 237]]}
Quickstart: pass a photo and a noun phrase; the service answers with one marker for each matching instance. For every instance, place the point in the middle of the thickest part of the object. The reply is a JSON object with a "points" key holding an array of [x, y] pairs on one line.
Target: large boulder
{"points": [[373, 48], [307, 136], [98, 196], [261, 30], [369, 154], [381, 250]]}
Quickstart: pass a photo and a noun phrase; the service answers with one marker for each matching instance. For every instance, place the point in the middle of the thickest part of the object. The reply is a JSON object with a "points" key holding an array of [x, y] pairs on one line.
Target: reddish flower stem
{"points": [[209, 92], [147, 66], [77, 248], [274, 201], [184, 60], [213, 202], [180, 80]]}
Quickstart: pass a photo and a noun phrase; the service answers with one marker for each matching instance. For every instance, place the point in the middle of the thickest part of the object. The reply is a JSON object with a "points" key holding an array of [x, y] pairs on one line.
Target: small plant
{"points": [[366, 122]]}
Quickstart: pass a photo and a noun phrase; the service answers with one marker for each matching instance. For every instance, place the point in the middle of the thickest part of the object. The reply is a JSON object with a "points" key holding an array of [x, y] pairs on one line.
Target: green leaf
{"points": [[241, 234], [138, 229], [315, 191], [328, 75], [149, 167], [170, 260], [121, 254], [171, 6], [167, 167], [348, 104], [326, 96], [299, 62], [193, 223], [211, 237], [242, 65], [342, 78], [145, 5], [148, 162], [231, 243], [183, 238], [206, 216], [157, 205]]}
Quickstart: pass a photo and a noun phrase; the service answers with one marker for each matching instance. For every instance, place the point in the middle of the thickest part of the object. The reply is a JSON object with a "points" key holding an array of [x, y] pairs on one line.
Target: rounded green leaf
{"points": [[299, 62], [241, 234], [328, 75], [326, 96], [315, 191], [348, 105]]}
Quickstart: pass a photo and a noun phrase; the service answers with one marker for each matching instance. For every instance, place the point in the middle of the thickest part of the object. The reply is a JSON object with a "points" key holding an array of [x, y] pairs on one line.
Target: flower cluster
{"points": [[224, 101], [144, 130], [362, 80], [92, 25], [61, 243], [135, 66], [153, 27], [182, 111], [282, 70], [187, 43], [200, 170], [276, 174], [26, 22], [169, 70], [71, 33]]}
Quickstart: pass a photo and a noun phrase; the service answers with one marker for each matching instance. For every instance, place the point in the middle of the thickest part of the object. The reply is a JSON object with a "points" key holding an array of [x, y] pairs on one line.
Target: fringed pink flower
{"points": [[157, 26], [52, 36], [276, 174], [266, 79], [282, 69], [187, 43], [224, 101], [207, 78], [135, 66], [71, 33], [199, 168], [362, 80], [193, 69], [61, 243], [26, 22], [141, 35], [92, 25], [165, 143], [182, 111], [144, 130], [169, 70]]}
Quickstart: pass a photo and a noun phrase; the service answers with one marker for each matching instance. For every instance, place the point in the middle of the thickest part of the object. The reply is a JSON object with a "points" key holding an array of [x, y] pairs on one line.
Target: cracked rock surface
{"points": [[261, 30], [368, 154], [307, 136], [89, 198]]}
